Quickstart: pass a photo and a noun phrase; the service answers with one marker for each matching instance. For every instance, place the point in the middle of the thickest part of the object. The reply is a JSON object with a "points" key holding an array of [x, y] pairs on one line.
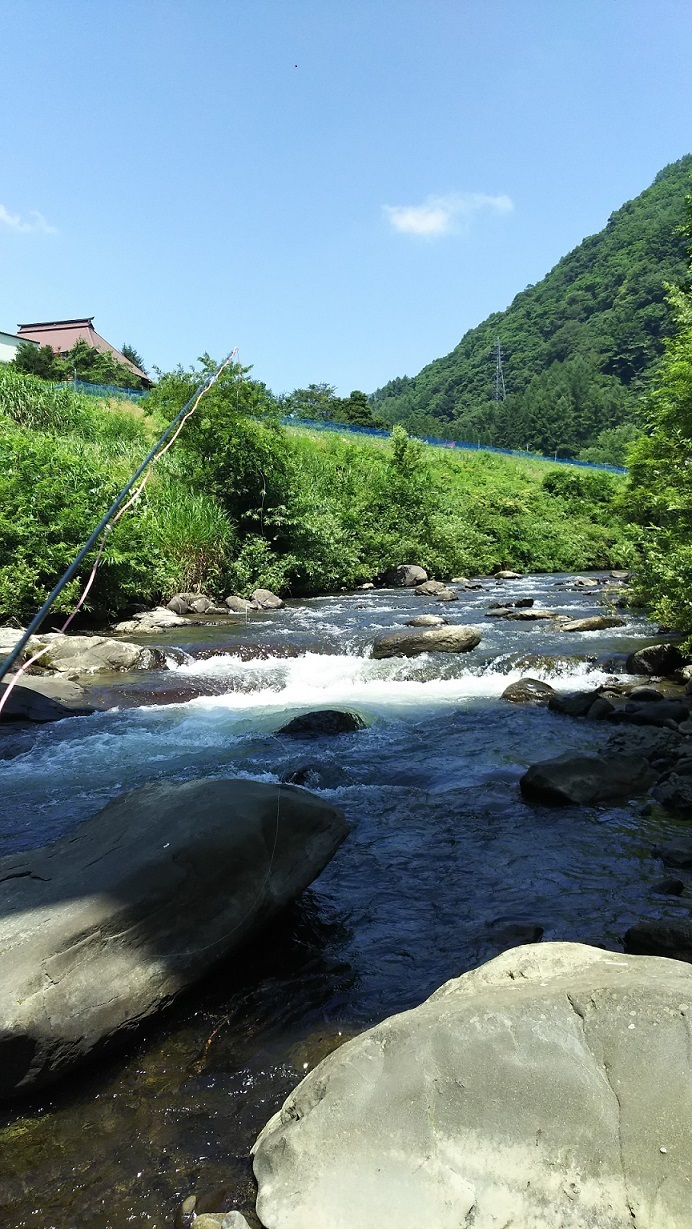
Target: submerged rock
{"points": [[528, 691], [454, 638], [328, 721], [107, 925], [426, 620], [594, 623], [676, 853], [587, 780], [405, 576], [493, 1103], [668, 887]]}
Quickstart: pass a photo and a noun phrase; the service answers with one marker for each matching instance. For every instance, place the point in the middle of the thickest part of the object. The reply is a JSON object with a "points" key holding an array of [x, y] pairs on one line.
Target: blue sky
{"points": [[339, 189]]}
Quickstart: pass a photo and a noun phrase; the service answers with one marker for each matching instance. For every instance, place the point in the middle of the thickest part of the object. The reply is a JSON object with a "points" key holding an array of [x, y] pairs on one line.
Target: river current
{"points": [[444, 868]]}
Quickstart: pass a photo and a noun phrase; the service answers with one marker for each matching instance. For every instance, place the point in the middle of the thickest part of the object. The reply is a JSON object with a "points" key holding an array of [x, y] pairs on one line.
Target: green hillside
{"points": [[578, 347], [241, 501]]}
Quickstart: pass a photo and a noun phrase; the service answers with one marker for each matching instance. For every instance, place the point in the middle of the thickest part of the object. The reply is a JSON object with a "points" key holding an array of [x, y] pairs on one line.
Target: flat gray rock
{"points": [[549, 1089], [453, 638], [110, 923]]}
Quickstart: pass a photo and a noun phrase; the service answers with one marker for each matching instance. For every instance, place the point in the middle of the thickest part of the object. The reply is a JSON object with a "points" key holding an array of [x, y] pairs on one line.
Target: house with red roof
{"points": [[63, 334]]}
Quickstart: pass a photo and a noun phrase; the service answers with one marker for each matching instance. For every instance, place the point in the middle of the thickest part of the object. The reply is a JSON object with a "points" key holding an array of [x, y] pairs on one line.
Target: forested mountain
{"points": [[578, 347]]}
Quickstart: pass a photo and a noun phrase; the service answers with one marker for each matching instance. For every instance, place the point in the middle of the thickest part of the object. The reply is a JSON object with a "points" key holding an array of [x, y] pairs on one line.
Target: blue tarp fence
{"points": [[321, 424], [107, 390]]}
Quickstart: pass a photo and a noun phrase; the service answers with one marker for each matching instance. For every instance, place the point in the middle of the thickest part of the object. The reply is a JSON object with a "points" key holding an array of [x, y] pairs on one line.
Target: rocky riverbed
{"points": [[446, 865]]}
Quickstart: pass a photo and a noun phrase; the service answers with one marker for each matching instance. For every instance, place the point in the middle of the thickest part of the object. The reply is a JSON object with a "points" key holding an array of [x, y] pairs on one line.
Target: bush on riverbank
{"points": [[241, 501]]}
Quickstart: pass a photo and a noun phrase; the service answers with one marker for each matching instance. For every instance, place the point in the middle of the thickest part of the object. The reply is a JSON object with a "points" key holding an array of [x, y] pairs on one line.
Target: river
{"points": [[444, 868]]}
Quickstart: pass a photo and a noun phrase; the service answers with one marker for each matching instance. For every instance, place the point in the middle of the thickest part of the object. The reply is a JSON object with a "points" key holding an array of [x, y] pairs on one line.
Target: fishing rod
{"points": [[163, 443]]}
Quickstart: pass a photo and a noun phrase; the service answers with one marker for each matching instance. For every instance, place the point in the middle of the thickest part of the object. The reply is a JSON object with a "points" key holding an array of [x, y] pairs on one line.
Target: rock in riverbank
{"points": [[107, 925], [453, 638], [91, 654], [549, 1088], [657, 659]]}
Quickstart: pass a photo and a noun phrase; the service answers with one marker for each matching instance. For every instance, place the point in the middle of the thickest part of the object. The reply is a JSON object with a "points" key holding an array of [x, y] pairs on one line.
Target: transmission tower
{"points": [[500, 390]]}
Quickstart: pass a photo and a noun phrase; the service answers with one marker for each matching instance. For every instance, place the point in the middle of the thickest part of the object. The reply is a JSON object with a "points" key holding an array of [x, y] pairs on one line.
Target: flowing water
{"points": [[444, 868]]}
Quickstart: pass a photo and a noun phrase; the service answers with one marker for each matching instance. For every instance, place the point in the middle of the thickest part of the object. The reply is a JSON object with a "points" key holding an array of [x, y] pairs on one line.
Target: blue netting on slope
{"points": [[107, 390], [321, 424]]}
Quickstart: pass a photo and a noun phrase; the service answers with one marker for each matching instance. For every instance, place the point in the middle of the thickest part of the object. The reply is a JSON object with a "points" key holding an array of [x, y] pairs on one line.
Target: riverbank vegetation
{"points": [[659, 490], [242, 501]]}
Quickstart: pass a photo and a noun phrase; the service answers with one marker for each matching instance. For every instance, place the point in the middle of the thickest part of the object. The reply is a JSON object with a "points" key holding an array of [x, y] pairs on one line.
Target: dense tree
{"points": [[134, 356], [659, 496]]}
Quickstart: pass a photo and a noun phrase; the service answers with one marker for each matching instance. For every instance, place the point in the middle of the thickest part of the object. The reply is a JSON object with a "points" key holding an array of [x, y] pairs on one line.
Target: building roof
{"points": [[62, 335], [13, 337]]}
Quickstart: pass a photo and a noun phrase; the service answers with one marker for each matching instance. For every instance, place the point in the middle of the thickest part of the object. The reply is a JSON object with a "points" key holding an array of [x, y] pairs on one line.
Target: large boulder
{"points": [[507, 574], [528, 691], [594, 623], [405, 576], [107, 925], [264, 599], [586, 780], [453, 638], [92, 654], [548, 1089], [658, 659]]}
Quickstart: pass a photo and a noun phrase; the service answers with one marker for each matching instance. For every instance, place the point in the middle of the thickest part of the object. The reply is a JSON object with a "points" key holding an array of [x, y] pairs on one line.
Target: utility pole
{"points": [[500, 390]]}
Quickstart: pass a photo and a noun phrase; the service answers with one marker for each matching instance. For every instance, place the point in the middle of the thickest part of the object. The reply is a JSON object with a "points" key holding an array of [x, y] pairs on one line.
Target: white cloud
{"points": [[25, 226], [443, 215]]}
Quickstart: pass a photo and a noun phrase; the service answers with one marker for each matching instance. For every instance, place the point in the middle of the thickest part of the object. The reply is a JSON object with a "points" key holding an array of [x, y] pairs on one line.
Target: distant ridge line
{"points": [[322, 424]]}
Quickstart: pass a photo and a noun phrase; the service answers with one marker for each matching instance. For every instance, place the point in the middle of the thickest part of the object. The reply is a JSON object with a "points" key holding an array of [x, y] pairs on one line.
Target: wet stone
{"points": [[327, 721], [668, 887]]}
